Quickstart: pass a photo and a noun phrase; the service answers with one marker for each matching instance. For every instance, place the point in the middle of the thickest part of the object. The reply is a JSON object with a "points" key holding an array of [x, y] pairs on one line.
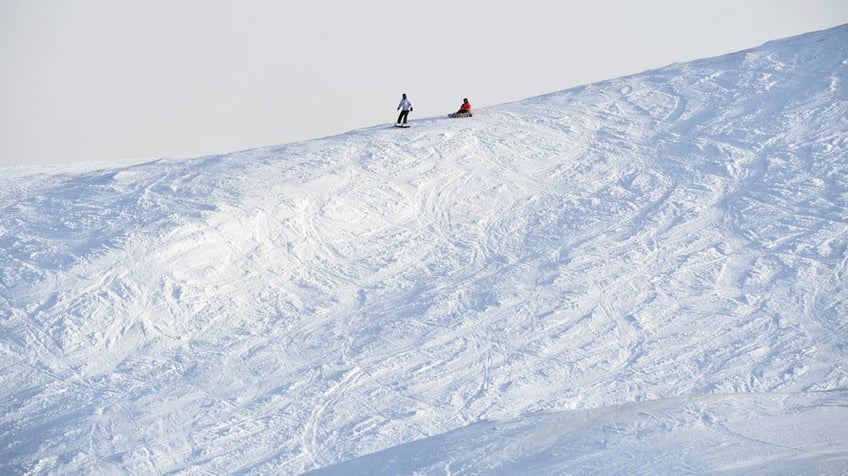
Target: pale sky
{"points": [[108, 80]]}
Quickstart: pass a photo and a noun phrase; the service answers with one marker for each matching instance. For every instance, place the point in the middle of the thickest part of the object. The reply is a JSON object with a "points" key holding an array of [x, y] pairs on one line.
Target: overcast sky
{"points": [[107, 80]]}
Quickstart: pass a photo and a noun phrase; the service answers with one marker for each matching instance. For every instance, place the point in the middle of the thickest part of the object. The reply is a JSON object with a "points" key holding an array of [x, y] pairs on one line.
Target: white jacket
{"points": [[405, 104]]}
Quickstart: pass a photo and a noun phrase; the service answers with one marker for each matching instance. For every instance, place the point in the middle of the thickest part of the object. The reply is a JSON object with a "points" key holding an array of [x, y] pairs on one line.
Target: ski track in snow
{"points": [[644, 275]]}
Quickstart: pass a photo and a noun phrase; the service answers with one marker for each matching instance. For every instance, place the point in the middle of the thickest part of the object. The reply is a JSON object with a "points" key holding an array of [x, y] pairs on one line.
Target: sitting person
{"points": [[465, 109]]}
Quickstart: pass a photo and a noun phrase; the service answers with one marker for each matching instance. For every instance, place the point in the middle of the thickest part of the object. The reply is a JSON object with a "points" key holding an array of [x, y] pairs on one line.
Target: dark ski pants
{"points": [[403, 115]]}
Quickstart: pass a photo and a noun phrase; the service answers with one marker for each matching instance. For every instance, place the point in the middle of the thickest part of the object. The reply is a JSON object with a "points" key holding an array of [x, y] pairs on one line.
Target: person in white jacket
{"points": [[405, 107]]}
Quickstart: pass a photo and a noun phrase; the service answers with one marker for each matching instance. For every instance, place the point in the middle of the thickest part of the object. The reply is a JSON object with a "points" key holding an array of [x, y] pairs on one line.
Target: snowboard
{"points": [[460, 114], [402, 126]]}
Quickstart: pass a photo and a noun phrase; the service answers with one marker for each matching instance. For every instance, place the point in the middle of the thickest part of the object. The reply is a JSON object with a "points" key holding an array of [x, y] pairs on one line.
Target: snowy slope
{"points": [[644, 275]]}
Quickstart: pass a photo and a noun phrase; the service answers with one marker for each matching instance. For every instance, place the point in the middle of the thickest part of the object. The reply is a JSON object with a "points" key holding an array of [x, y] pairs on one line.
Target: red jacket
{"points": [[466, 107]]}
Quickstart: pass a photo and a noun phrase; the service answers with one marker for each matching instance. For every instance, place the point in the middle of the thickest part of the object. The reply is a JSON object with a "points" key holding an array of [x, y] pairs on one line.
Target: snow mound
{"points": [[730, 433], [644, 275]]}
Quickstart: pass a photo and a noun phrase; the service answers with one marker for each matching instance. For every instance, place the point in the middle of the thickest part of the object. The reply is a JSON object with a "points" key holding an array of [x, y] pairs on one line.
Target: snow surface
{"points": [[643, 275]]}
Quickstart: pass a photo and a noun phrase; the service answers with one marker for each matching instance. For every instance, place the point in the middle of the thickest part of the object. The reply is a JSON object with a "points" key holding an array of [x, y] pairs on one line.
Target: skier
{"points": [[405, 107], [464, 110]]}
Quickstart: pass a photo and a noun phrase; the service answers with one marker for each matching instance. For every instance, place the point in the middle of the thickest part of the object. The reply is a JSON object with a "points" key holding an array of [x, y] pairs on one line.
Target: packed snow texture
{"points": [[643, 275]]}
